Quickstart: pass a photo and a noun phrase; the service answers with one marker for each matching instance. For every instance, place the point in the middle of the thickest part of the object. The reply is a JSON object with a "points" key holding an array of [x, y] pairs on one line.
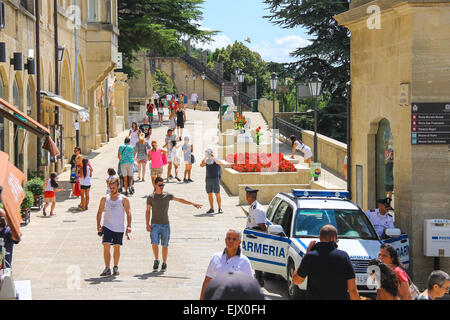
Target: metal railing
{"points": [[287, 129]]}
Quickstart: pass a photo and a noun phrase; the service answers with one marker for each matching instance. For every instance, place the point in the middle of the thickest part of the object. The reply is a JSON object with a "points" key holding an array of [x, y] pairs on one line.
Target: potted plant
{"points": [[25, 207], [239, 122], [36, 187]]}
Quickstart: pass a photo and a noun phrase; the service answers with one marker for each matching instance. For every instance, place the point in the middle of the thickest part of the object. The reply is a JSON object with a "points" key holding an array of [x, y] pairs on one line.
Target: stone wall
{"points": [[266, 108]]}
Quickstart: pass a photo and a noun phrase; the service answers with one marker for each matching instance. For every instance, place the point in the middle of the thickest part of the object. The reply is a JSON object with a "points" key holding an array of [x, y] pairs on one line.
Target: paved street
{"points": [[63, 255]]}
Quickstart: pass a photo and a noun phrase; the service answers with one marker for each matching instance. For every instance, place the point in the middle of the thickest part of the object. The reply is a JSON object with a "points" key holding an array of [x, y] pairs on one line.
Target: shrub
{"points": [[28, 201], [35, 185]]}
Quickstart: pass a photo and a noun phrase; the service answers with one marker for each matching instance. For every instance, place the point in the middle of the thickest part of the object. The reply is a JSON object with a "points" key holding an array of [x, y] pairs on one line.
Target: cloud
{"points": [[218, 42], [279, 49]]}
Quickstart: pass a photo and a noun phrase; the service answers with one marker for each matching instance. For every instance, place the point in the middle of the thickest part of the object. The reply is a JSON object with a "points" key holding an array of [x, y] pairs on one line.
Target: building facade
{"points": [[399, 58], [88, 32]]}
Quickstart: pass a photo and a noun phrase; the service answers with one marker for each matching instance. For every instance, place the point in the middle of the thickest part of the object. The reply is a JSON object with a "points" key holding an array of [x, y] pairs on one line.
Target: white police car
{"points": [[295, 219]]}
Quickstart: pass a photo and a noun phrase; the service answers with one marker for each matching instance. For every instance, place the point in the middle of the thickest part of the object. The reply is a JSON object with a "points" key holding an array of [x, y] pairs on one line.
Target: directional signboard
{"points": [[430, 123]]}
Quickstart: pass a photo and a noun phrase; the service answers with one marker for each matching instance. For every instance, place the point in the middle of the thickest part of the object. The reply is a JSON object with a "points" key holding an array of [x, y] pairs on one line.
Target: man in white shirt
{"points": [[380, 217], [194, 100], [256, 213], [230, 259]]}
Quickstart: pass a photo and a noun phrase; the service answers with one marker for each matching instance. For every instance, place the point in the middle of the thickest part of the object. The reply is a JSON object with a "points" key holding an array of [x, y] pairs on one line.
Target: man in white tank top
{"points": [[115, 206]]}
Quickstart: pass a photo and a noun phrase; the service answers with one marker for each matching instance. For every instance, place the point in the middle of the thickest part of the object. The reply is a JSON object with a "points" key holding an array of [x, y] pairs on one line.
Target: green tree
{"points": [[163, 84], [158, 26], [328, 54]]}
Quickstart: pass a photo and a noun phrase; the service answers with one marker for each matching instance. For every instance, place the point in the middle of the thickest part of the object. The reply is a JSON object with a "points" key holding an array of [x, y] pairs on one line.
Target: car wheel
{"points": [[294, 292]]}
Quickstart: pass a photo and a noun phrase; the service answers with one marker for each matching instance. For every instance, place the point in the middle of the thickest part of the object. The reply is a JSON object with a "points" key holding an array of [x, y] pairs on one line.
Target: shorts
{"points": [[144, 161], [49, 194], [160, 111], [212, 185], [160, 232], [156, 171], [126, 169], [111, 237], [85, 187], [180, 124], [149, 114]]}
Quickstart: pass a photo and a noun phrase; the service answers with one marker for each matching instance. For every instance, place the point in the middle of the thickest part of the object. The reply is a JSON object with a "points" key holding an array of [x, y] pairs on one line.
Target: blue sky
{"points": [[239, 19]]}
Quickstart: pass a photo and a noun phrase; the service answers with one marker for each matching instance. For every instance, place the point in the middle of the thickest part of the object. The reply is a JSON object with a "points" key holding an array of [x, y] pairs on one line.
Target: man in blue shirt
{"points": [[329, 270]]}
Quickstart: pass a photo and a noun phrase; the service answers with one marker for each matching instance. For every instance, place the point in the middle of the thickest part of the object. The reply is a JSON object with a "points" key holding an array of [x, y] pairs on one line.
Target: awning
{"points": [[63, 103], [21, 119], [12, 194]]}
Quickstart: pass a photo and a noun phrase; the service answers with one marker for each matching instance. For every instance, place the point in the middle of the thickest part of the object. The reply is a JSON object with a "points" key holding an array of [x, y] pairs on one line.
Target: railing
{"points": [[287, 129]]}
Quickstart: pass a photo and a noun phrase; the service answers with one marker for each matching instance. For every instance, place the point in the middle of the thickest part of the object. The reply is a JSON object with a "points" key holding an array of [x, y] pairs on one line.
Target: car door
{"points": [[401, 244], [267, 252]]}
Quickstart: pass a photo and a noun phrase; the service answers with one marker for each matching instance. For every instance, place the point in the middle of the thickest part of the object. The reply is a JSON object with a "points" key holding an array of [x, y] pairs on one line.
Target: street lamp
{"points": [[273, 86], [241, 78], [315, 87], [187, 79], [194, 77], [203, 78]]}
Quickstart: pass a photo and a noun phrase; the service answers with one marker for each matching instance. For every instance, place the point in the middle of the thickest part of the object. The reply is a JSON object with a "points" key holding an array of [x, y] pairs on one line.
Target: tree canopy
{"points": [[158, 25]]}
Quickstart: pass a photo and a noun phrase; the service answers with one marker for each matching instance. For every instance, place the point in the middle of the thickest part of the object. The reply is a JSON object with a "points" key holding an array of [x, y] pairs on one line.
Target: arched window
{"points": [[16, 96], [29, 102], [384, 160]]}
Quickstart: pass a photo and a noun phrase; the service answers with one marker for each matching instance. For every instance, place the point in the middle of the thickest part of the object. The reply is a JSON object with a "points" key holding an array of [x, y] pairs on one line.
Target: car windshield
{"points": [[350, 224]]}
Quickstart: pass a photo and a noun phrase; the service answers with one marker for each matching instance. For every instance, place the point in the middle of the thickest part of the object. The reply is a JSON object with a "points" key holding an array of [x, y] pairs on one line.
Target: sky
{"points": [[241, 19]]}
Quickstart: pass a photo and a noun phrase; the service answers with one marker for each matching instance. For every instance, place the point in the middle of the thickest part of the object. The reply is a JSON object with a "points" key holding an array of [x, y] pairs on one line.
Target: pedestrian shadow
{"points": [[73, 209], [206, 215], [157, 274], [102, 279]]}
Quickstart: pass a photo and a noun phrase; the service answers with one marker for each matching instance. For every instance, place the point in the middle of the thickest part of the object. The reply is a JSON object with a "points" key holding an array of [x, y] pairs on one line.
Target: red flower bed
{"points": [[260, 162]]}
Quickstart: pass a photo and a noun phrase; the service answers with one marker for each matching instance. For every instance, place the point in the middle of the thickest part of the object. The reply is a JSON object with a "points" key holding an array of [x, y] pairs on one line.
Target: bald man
{"points": [[329, 270]]}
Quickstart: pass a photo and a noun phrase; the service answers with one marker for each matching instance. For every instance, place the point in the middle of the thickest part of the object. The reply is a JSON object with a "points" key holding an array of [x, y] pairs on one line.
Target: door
{"points": [[268, 252], [401, 244]]}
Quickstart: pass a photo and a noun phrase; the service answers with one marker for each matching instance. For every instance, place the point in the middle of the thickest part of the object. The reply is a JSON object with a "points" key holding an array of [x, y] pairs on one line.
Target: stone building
{"points": [[86, 77], [399, 59]]}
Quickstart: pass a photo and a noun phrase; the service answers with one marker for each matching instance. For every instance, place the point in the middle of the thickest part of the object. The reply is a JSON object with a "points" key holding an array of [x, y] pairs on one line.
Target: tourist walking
{"points": [[173, 119], [188, 150], [141, 154], [155, 98], [150, 109], [389, 256], [115, 206], [213, 173], [387, 282], [50, 187], [169, 137], [230, 259], [73, 169], [155, 155], [160, 112], [181, 119], [85, 184], [111, 175], [194, 100], [126, 163], [157, 221], [176, 156], [134, 134], [437, 286], [298, 145], [146, 129], [329, 270]]}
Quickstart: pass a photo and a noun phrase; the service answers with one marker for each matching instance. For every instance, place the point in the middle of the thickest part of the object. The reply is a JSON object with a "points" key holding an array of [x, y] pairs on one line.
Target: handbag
{"points": [[164, 158], [192, 159], [135, 167], [77, 189], [415, 293]]}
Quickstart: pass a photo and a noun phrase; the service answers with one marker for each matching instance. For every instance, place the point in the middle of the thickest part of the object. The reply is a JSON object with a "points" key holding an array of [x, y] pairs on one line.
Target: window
{"points": [[16, 97], [279, 214], [29, 102], [350, 224], [94, 11], [272, 206], [384, 160]]}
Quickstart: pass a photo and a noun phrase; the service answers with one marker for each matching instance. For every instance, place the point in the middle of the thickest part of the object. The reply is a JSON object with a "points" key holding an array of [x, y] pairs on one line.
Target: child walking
{"points": [[188, 149], [175, 155], [111, 175], [50, 188]]}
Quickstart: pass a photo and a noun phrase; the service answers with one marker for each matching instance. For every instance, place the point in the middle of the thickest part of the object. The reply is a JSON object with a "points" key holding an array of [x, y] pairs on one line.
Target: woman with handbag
{"points": [[189, 159], [156, 156], [389, 256]]}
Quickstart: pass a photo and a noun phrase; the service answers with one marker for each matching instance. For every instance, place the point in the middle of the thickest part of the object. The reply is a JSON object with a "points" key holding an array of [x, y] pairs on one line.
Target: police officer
{"points": [[380, 217], [256, 213]]}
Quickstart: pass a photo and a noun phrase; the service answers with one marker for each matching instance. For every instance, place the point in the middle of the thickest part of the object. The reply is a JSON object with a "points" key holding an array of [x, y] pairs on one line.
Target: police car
{"points": [[295, 219]]}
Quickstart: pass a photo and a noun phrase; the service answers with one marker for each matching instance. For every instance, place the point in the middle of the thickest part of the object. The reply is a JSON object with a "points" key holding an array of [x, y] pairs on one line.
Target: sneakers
{"points": [[156, 265], [116, 271], [189, 180], [220, 211], [44, 213], [106, 272], [210, 211], [178, 179], [171, 176], [163, 267], [185, 180]]}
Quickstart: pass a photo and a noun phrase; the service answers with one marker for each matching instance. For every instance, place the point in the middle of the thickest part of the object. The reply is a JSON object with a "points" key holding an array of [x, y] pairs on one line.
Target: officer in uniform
{"points": [[380, 217], [256, 213]]}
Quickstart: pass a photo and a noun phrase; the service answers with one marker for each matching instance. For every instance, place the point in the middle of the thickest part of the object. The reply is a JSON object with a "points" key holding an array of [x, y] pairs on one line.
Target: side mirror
{"points": [[392, 233], [275, 229]]}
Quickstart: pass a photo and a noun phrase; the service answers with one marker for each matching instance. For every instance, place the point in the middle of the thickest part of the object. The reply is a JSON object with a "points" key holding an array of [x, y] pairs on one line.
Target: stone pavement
{"points": [[63, 255]]}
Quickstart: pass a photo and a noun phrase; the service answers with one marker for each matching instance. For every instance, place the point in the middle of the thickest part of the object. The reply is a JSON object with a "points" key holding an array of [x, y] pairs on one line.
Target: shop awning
{"points": [[63, 103], [12, 194], [24, 121]]}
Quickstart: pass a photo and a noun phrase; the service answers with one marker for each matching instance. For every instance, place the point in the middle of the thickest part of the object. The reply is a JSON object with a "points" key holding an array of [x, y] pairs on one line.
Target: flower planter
{"points": [[38, 202], [26, 216]]}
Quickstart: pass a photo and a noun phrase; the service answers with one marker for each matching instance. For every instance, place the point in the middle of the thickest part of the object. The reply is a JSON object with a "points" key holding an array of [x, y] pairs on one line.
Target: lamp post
{"points": [[194, 77], [241, 78], [273, 87], [187, 79], [203, 78], [315, 86]]}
